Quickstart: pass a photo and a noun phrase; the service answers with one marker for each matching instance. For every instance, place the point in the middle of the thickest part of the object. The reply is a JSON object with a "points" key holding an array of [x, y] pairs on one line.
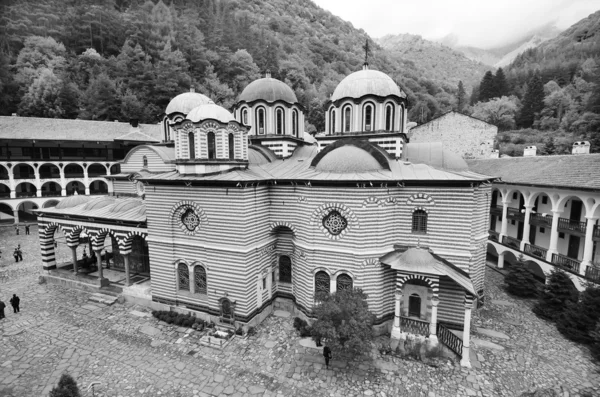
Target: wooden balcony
{"points": [[414, 326], [540, 220], [493, 235], [515, 213], [511, 242], [592, 273], [570, 226], [566, 262], [534, 250]]}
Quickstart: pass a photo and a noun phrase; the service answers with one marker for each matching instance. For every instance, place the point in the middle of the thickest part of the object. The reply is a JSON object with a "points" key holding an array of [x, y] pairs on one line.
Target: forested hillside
{"points": [[122, 59]]}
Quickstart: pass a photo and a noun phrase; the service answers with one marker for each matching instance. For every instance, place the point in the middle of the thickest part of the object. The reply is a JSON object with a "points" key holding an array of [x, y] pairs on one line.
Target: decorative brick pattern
{"points": [[179, 209], [325, 209]]}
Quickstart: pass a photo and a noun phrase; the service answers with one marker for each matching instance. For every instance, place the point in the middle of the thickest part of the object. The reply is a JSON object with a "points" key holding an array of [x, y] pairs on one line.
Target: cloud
{"points": [[481, 23]]}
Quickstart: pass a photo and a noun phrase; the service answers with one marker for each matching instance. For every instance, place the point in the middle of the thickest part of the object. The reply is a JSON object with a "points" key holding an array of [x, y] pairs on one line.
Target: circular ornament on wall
{"points": [[335, 223], [190, 220]]}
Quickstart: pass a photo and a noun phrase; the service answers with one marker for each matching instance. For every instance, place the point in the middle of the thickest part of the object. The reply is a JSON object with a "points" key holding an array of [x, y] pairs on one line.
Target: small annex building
{"points": [[227, 228]]}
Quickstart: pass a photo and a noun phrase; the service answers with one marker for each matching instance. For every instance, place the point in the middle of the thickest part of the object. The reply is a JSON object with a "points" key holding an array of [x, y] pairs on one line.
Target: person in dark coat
{"points": [[20, 253], [14, 301], [327, 355], [26, 229], [17, 229], [2, 306], [16, 255]]}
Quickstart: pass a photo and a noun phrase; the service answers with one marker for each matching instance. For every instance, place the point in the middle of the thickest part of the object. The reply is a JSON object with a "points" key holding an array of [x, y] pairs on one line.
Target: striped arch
{"points": [[99, 238], [469, 299], [275, 225], [46, 236], [432, 281], [73, 236], [126, 243], [180, 208], [422, 209], [372, 201], [370, 263], [420, 198]]}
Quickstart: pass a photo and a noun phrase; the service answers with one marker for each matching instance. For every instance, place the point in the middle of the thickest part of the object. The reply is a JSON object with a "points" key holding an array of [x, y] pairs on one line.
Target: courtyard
{"points": [[132, 354]]}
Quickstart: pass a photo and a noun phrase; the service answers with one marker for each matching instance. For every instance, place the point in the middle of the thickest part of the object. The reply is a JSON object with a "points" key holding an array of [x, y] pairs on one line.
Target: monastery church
{"points": [[235, 214]]}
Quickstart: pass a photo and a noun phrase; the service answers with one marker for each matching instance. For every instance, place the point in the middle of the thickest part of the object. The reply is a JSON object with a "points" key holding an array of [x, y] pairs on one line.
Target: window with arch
{"points": [[279, 121], [401, 117], [192, 145], [260, 120], [414, 306], [347, 113], [322, 285], [419, 221], [245, 116], [332, 121], [368, 117], [200, 280], [183, 277], [389, 117], [166, 129], [212, 149], [285, 269], [343, 282], [294, 122], [145, 161], [231, 147]]}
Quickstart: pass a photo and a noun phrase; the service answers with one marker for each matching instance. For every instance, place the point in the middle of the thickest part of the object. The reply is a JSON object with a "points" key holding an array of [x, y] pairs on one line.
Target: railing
{"points": [[496, 210], [413, 326], [50, 194], [534, 250], [571, 224], [26, 194], [511, 242], [494, 235], [7, 195], [593, 273], [515, 213], [49, 175], [566, 262], [541, 220], [449, 339]]}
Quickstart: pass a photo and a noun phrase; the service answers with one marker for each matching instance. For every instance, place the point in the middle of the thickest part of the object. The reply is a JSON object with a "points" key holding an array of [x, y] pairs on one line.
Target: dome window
{"points": [[245, 116], [280, 121], [332, 121], [389, 117], [166, 129], [369, 118], [295, 122], [192, 145], [347, 118], [212, 151], [231, 147], [260, 118], [145, 162]]}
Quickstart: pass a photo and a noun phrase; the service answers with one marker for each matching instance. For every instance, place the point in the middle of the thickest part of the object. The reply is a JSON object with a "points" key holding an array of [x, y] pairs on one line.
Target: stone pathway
{"points": [[132, 354]]}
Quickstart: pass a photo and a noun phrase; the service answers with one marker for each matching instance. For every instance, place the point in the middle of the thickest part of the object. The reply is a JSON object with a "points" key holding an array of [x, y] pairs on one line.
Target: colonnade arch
{"points": [[4, 175], [51, 189], [49, 171], [23, 171], [25, 189], [73, 170]]}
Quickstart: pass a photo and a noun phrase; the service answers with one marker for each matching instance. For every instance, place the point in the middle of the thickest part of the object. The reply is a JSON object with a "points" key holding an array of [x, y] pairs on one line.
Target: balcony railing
{"points": [[566, 262], [593, 273], [414, 326], [26, 194], [493, 235], [496, 211], [540, 220], [534, 250], [511, 242], [449, 339], [571, 225], [50, 194], [515, 213], [596, 231]]}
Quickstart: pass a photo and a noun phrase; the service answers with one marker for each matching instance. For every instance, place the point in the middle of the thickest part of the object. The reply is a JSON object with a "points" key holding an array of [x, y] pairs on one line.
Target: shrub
{"points": [[579, 319], [67, 387], [299, 323], [251, 331], [520, 282], [557, 293], [595, 346], [239, 331]]}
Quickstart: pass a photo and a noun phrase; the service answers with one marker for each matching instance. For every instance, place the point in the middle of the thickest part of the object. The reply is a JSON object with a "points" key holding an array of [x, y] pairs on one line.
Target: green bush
{"points": [[557, 293], [520, 281], [251, 331], [302, 327], [579, 319]]}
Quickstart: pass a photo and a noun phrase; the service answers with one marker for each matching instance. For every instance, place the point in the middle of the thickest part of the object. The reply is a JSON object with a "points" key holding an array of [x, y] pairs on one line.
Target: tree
{"points": [[500, 84], [557, 293], [101, 101], [549, 147], [579, 319], [487, 87], [343, 319], [42, 97], [67, 387], [520, 281], [498, 111], [461, 97], [533, 102], [217, 91]]}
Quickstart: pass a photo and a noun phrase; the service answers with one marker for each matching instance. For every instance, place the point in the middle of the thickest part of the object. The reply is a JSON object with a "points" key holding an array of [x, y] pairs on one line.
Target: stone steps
{"points": [[103, 298]]}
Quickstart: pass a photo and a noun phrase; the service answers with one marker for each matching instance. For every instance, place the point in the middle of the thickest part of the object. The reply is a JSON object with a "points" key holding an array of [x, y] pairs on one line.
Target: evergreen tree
{"points": [[217, 91], [579, 319], [461, 97], [500, 84], [533, 102], [549, 147], [101, 101], [171, 76], [557, 293], [520, 281], [474, 98], [487, 87], [42, 97], [135, 70], [67, 387]]}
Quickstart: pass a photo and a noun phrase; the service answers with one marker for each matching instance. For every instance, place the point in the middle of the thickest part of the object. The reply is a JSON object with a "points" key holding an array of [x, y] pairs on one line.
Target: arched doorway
{"points": [[6, 213], [23, 171], [75, 187], [49, 171], [414, 306], [26, 209], [51, 189], [227, 311], [95, 170], [4, 191], [4, 173], [115, 169], [26, 189], [98, 187], [139, 260], [73, 171]]}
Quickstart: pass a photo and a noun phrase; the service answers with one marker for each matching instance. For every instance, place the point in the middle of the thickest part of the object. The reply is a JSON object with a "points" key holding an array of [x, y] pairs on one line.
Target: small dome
{"points": [[72, 201], [185, 102], [348, 159], [269, 90], [210, 111], [126, 205], [99, 203], [366, 82]]}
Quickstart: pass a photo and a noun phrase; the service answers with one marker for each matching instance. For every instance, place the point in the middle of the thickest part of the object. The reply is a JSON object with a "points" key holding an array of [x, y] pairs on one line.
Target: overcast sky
{"points": [[481, 23]]}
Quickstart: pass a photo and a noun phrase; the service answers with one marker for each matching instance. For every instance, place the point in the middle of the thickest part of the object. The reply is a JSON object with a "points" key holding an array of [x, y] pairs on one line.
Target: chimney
{"points": [[268, 74], [530, 151], [495, 154], [15, 115], [134, 122], [581, 147]]}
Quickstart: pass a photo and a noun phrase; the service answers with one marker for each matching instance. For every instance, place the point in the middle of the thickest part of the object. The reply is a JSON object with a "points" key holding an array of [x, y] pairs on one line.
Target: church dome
{"points": [[351, 155], [269, 90], [366, 82], [185, 102], [210, 111]]}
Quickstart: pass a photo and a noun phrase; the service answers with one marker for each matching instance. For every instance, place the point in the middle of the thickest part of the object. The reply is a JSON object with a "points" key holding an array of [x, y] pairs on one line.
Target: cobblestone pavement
{"points": [[132, 354]]}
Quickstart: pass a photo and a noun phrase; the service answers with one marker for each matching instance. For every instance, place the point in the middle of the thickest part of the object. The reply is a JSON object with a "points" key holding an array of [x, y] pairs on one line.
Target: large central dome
{"points": [[269, 90], [366, 82], [185, 102]]}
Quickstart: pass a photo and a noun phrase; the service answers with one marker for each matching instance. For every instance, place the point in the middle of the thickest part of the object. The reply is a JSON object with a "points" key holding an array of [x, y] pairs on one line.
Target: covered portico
{"points": [[419, 274]]}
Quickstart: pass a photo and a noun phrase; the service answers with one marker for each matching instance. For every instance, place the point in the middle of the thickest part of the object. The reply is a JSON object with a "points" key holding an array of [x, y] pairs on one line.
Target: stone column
{"points": [[433, 340], [332, 285], [588, 247], [127, 276], [270, 283], [525, 239], [553, 249], [16, 215], [87, 191], [74, 260], [504, 228], [396, 331], [501, 261], [465, 360], [99, 264]]}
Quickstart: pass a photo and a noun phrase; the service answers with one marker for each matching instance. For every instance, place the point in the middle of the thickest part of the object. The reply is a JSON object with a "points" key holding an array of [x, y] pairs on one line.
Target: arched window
{"points": [[212, 150], [285, 269], [389, 117], [279, 122], [260, 120], [183, 277], [347, 118], [344, 281], [332, 121], [245, 116], [192, 145], [145, 161], [414, 306], [200, 280], [322, 285], [368, 117], [231, 147], [419, 221], [401, 117], [166, 129], [295, 122]]}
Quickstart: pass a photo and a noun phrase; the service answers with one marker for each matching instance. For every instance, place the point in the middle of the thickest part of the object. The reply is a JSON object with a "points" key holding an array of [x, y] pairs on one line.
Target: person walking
{"points": [[2, 306], [16, 255], [14, 301], [20, 253], [327, 355], [17, 230], [27, 229]]}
